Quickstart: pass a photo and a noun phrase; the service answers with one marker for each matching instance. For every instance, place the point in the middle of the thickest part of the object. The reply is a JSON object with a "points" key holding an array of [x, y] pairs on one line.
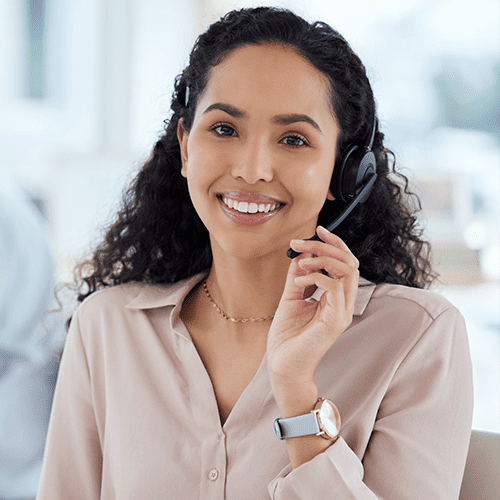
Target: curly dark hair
{"points": [[158, 237]]}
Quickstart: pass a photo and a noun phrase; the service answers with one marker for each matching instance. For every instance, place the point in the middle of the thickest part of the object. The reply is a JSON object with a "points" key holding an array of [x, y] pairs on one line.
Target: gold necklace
{"points": [[225, 316]]}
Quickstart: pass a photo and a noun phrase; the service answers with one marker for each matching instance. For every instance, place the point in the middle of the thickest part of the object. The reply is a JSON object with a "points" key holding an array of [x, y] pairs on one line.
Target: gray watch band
{"points": [[304, 425]]}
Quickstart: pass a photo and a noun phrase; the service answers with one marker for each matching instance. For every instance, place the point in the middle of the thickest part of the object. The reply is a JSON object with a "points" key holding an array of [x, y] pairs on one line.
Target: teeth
{"points": [[242, 207], [249, 208]]}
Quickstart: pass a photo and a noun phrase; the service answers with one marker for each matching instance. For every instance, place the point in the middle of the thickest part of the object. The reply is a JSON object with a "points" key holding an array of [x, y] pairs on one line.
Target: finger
{"points": [[348, 285], [336, 242], [331, 238], [333, 286], [334, 267], [351, 285], [325, 236], [321, 248], [351, 292], [333, 247], [292, 290]]}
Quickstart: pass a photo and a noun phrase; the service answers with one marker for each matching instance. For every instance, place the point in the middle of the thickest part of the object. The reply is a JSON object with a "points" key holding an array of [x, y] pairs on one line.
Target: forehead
{"points": [[274, 76]]}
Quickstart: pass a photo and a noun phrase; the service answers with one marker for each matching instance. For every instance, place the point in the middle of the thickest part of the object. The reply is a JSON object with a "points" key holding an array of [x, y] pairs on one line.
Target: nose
{"points": [[254, 163]]}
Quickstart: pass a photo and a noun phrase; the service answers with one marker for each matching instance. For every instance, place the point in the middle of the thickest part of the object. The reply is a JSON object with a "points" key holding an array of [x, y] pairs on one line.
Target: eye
{"points": [[224, 130], [295, 141]]}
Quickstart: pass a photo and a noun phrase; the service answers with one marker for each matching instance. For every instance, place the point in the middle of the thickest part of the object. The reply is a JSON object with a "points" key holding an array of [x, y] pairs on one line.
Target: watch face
{"points": [[329, 418]]}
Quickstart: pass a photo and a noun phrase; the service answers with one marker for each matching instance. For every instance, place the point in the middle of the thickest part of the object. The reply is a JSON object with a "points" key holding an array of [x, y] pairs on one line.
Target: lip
{"points": [[247, 219]]}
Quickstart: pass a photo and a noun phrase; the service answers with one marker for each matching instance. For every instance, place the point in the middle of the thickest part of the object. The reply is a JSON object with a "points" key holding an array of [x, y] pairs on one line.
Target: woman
{"points": [[199, 339]]}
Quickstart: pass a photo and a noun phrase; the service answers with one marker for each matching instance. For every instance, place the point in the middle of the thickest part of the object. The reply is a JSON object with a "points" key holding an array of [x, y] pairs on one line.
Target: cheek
{"points": [[204, 169], [205, 158], [311, 185]]}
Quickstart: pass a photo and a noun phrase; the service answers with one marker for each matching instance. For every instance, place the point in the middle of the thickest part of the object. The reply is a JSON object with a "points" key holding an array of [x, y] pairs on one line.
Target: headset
{"points": [[353, 180]]}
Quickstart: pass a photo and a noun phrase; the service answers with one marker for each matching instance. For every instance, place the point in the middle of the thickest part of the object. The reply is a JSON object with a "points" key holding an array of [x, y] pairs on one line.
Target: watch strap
{"points": [[303, 425]]}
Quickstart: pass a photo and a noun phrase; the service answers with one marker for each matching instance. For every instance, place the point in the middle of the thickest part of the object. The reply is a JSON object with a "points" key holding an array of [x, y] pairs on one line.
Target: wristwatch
{"points": [[324, 421]]}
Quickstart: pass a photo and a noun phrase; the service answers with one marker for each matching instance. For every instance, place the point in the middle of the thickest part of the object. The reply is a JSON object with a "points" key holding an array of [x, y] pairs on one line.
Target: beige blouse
{"points": [[135, 416]]}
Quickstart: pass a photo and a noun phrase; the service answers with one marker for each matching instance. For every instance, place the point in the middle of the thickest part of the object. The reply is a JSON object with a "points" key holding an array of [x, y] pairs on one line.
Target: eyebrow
{"points": [[280, 119], [227, 108], [294, 118]]}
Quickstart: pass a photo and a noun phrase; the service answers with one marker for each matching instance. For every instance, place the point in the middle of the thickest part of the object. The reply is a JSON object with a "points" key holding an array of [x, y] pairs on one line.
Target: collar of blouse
{"points": [[154, 296]]}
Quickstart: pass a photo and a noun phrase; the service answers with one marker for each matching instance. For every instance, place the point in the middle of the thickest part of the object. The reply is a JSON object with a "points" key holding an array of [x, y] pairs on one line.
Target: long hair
{"points": [[158, 237]]}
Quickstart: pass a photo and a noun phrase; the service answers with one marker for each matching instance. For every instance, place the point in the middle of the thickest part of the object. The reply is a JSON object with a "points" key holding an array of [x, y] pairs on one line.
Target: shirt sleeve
{"points": [[420, 439], [72, 465]]}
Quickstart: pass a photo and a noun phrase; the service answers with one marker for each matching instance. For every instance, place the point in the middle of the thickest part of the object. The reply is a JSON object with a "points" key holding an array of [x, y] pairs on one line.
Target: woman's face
{"points": [[260, 153]]}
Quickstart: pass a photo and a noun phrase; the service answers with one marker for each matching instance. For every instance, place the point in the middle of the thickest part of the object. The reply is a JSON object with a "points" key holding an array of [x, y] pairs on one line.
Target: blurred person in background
{"points": [[202, 362], [29, 340]]}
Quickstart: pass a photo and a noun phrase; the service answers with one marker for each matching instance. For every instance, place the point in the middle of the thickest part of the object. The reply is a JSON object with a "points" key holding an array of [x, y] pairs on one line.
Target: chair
{"points": [[482, 471]]}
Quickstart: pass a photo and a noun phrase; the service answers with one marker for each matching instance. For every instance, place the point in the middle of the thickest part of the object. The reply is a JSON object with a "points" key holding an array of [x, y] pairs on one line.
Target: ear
{"points": [[182, 137]]}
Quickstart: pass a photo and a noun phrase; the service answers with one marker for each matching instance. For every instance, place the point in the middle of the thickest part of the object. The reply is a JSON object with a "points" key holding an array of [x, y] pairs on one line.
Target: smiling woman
{"points": [[199, 346], [256, 140]]}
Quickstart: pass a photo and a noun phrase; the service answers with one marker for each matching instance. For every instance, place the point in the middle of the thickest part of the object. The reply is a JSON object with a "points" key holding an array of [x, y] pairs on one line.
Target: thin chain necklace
{"points": [[225, 316]]}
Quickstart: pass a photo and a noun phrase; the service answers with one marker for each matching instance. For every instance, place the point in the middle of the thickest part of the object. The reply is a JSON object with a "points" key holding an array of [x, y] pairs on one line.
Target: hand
{"points": [[302, 332]]}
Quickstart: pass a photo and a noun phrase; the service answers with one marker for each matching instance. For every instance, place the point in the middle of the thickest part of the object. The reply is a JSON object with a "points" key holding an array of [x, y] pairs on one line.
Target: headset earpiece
{"points": [[354, 170]]}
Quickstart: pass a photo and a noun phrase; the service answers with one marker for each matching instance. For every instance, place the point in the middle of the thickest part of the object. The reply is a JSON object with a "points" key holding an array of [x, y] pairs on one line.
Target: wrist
{"points": [[295, 399], [323, 420]]}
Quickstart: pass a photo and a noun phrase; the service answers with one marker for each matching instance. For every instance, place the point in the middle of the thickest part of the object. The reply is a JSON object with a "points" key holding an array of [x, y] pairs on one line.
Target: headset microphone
{"points": [[352, 181]]}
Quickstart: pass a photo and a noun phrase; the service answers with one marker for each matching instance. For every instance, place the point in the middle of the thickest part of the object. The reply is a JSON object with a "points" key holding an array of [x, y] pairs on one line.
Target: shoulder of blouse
{"points": [[113, 295], [399, 296], [137, 295]]}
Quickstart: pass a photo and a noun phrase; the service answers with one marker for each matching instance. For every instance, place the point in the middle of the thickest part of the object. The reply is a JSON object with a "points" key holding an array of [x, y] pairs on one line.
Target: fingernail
{"points": [[305, 260], [323, 229], [297, 242]]}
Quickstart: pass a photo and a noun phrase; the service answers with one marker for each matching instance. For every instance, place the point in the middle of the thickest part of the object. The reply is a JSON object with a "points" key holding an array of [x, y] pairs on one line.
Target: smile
{"points": [[249, 208]]}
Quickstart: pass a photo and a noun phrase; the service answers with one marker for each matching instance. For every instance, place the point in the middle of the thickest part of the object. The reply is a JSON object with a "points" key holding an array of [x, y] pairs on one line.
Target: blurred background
{"points": [[85, 87]]}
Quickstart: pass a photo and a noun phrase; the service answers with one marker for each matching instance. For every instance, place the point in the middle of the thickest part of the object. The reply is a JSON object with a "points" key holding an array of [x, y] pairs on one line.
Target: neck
{"points": [[248, 288]]}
